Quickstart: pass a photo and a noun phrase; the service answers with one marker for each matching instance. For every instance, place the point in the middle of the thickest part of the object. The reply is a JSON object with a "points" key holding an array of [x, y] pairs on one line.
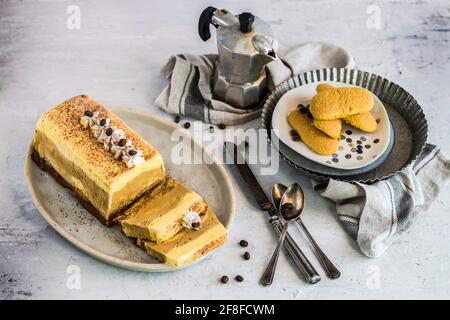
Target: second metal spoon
{"points": [[331, 271]]}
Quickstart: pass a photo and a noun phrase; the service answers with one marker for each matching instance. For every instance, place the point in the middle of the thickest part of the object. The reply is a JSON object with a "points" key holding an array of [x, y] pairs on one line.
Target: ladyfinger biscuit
{"points": [[330, 127], [310, 135], [332, 103], [362, 121]]}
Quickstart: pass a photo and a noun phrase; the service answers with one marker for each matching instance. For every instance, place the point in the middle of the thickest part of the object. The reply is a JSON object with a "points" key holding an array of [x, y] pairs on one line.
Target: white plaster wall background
{"points": [[116, 56]]}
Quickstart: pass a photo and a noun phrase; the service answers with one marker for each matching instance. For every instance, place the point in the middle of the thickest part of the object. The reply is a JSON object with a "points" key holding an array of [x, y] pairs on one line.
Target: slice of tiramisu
{"points": [[90, 150], [190, 243], [161, 213]]}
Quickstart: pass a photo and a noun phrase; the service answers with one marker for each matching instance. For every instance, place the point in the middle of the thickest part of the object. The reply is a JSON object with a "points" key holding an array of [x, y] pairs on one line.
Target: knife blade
{"points": [[297, 255]]}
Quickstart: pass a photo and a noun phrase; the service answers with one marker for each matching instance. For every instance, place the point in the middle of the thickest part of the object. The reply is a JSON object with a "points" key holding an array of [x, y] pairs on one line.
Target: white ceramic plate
{"points": [[345, 158], [63, 212]]}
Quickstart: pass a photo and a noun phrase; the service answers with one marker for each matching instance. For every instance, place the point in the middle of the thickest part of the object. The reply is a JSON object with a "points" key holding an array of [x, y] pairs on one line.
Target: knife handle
{"points": [[301, 261]]}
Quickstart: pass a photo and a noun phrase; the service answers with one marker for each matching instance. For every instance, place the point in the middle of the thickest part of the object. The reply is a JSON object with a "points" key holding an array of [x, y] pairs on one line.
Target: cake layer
{"points": [[159, 214], [92, 171], [189, 245]]}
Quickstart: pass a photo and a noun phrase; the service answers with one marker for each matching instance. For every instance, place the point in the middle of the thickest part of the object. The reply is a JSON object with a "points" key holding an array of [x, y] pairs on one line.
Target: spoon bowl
{"points": [[278, 190], [292, 202]]}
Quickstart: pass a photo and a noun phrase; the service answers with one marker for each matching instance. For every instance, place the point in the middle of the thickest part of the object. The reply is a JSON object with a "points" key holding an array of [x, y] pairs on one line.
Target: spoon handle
{"points": [[331, 271], [268, 274]]}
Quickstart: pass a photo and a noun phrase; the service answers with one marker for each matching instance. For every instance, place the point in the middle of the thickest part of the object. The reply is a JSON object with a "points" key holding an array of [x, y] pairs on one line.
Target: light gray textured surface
{"points": [[116, 56]]}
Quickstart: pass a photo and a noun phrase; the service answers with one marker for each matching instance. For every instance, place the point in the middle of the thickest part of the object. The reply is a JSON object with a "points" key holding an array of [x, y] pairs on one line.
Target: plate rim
{"points": [[118, 262], [379, 102]]}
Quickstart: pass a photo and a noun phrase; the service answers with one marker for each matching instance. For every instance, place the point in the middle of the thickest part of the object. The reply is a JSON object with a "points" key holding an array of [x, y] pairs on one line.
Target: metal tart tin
{"points": [[406, 116]]}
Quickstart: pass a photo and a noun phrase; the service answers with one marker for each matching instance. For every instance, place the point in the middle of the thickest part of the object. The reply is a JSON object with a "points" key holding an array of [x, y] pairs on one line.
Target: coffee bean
{"points": [[103, 122], [353, 150], [340, 148], [363, 138], [243, 243], [348, 156], [334, 155], [187, 125], [132, 152], [122, 142], [359, 157], [367, 146], [239, 278], [335, 160], [266, 206], [349, 132], [109, 131], [88, 113], [286, 208], [359, 151], [221, 126], [376, 140], [302, 108], [296, 138], [177, 118], [348, 140], [342, 137], [359, 146], [378, 120], [224, 279], [196, 225], [359, 142], [246, 255]]}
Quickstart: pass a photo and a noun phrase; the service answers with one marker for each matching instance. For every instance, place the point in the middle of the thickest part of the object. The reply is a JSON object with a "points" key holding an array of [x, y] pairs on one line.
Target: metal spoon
{"points": [[293, 196], [331, 271]]}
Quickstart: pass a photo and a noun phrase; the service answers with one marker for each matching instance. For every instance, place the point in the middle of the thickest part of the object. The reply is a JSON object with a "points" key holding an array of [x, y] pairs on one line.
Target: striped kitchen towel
{"points": [[375, 214], [189, 91]]}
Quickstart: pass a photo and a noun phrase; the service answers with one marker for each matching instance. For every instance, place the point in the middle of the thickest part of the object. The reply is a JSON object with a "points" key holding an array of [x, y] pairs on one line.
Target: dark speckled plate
{"points": [[405, 114]]}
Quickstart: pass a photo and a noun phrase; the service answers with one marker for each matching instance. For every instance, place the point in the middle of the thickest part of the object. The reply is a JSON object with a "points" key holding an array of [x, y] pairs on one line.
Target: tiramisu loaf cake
{"points": [[90, 150], [190, 244], [162, 212]]}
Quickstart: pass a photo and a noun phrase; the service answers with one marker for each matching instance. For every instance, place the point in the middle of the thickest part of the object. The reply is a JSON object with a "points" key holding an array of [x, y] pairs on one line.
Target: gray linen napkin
{"points": [[189, 91], [375, 214]]}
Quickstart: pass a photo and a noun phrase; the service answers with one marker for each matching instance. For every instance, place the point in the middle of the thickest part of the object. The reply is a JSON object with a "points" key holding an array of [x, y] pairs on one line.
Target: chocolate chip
{"points": [[83, 96], [378, 120], [196, 225], [103, 122], [88, 113], [266, 206], [177, 118], [187, 125], [239, 278], [109, 131], [211, 129], [376, 140], [359, 151], [302, 108], [132, 152], [221, 126], [287, 208], [335, 160], [348, 140], [122, 142], [367, 146], [349, 132], [243, 243], [224, 279], [246, 255]]}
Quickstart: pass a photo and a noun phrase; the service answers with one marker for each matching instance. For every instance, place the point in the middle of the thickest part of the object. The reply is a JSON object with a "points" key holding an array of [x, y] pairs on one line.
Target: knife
{"points": [[299, 258]]}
